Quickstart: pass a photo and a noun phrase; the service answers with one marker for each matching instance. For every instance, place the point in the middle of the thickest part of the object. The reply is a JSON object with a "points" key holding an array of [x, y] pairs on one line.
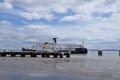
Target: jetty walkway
{"points": [[43, 54]]}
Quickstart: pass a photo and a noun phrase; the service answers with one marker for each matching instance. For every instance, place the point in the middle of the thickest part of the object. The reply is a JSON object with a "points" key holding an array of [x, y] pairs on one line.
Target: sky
{"points": [[25, 22]]}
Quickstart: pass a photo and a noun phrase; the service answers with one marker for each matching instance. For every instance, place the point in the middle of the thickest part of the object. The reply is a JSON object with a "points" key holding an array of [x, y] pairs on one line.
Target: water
{"points": [[78, 67]]}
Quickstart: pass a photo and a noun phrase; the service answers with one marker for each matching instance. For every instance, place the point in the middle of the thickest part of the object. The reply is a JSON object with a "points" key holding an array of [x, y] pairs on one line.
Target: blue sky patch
{"points": [[69, 12], [17, 20], [14, 19], [102, 14], [18, 8], [1, 0]]}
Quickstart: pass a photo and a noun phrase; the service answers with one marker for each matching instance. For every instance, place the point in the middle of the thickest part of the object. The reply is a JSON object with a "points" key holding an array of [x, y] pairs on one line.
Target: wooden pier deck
{"points": [[43, 54]]}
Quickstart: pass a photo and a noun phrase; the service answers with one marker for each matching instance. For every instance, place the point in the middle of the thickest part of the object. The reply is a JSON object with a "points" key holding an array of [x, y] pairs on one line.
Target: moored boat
{"points": [[55, 47]]}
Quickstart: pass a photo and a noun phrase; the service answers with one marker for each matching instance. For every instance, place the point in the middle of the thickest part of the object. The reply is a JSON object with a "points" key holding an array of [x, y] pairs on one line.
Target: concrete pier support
{"points": [[100, 53], [13, 55], [22, 55], [47, 56], [33, 55], [43, 55], [61, 56], [67, 55], [3, 55], [119, 52], [55, 55]]}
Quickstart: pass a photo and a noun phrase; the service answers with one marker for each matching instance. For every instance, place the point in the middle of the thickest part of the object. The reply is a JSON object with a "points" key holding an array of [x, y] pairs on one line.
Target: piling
{"points": [[47, 56], [33, 55], [13, 55], [55, 55], [43, 55], [61, 56], [119, 52], [99, 52], [22, 55], [68, 54], [3, 55]]}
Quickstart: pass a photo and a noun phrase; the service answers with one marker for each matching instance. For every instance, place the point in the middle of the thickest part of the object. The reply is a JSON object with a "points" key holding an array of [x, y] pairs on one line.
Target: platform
{"points": [[43, 54]]}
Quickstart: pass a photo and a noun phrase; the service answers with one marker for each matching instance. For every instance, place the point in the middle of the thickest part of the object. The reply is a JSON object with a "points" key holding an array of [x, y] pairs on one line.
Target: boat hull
{"points": [[80, 51], [76, 51]]}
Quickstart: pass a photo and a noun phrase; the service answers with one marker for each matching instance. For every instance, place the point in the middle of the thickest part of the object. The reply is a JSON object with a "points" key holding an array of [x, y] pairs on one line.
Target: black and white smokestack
{"points": [[55, 40]]}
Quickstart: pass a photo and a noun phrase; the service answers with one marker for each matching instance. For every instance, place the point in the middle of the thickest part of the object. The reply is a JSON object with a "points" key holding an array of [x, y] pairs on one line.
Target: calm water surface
{"points": [[78, 67]]}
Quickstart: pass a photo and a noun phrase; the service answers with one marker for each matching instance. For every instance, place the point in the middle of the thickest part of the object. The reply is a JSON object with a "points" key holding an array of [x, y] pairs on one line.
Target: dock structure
{"points": [[43, 54], [100, 52], [119, 52]]}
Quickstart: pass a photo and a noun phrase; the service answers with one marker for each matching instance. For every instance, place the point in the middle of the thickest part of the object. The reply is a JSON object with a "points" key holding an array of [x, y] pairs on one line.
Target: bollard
{"points": [[99, 53]]}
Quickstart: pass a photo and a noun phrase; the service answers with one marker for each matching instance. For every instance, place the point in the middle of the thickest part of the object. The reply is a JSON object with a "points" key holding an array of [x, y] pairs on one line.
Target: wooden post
{"points": [[99, 52]]}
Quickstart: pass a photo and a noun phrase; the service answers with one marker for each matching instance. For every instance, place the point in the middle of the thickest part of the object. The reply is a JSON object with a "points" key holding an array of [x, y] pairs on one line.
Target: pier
{"points": [[100, 52], [43, 54]]}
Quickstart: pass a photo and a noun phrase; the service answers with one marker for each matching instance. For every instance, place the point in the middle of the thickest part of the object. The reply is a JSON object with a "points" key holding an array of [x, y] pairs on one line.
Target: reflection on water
{"points": [[78, 67]]}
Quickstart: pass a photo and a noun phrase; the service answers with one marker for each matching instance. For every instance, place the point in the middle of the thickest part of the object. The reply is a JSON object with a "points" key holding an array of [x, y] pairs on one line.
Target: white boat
{"points": [[47, 46]]}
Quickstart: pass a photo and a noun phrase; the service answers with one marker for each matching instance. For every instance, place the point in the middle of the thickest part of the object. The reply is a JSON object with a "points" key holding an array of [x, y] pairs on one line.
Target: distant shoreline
{"points": [[103, 49]]}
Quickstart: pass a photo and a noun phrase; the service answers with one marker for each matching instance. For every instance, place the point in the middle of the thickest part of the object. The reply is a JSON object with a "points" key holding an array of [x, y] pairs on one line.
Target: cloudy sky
{"points": [[24, 22]]}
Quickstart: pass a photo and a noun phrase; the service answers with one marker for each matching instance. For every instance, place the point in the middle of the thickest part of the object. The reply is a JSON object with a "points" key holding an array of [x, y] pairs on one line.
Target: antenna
{"points": [[55, 39]]}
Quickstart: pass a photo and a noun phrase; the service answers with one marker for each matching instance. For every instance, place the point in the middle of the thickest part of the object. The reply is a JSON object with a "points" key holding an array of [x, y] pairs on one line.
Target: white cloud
{"points": [[70, 18], [76, 18], [37, 16], [39, 9], [4, 22], [99, 28], [25, 36], [6, 6], [103, 31]]}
